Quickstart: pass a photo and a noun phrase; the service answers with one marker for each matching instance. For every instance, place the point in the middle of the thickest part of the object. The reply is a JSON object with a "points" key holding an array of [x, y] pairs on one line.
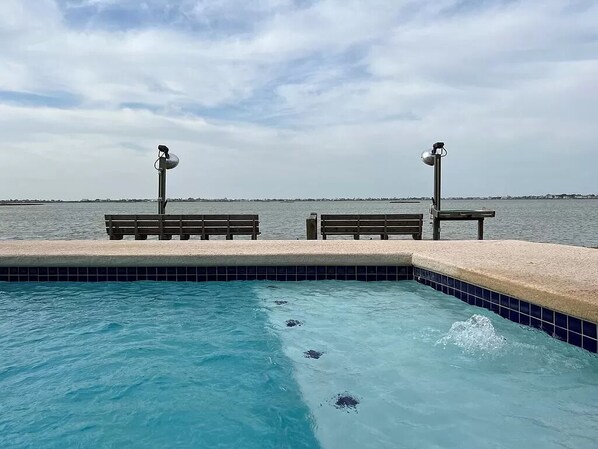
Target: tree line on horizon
{"points": [[287, 200]]}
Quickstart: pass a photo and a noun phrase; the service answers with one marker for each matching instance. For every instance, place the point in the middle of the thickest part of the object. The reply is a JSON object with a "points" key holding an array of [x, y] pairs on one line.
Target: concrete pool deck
{"points": [[562, 278]]}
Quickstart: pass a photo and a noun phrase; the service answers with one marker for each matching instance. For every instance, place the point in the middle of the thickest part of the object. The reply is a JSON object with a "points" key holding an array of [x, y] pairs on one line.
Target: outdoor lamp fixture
{"points": [[166, 161], [432, 157]]}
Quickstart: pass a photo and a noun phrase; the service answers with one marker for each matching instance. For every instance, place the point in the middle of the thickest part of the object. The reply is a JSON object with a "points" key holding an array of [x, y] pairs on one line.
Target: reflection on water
{"points": [[573, 222]]}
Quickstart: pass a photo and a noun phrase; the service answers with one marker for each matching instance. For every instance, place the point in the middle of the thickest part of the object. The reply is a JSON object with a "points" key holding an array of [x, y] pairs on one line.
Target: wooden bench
{"points": [[183, 226], [372, 224]]}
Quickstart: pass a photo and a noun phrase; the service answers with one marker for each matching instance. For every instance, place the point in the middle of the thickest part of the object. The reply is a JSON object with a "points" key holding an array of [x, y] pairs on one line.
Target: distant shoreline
{"points": [[22, 203], [284, 200]]}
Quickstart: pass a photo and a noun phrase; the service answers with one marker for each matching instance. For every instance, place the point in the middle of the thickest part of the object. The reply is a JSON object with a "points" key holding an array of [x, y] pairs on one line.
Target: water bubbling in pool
{"points": [[474, 334]]}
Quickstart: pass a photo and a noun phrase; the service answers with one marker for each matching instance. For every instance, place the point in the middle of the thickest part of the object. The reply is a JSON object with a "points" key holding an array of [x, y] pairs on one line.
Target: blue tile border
{"points": [[205, 274], [570, 329]]}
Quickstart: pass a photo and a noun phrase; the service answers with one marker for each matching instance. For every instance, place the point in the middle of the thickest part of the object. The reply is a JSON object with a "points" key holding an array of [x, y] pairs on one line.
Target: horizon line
{"points": [[226, 199]]}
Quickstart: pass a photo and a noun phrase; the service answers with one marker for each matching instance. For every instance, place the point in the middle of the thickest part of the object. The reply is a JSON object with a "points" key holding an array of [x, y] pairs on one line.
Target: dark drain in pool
{"points": [[346, 401], [280, 302], [271, 286], [293, 323], [311, 354]]}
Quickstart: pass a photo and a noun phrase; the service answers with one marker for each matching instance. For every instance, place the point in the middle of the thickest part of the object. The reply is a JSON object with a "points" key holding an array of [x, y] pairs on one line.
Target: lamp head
{"points": [[428, 157], [171, 161], [168, 160]]}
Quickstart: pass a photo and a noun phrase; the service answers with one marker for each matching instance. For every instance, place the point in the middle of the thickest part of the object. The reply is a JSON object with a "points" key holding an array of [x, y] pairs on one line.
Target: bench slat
{"points": [[369, 216], [186, 231], [407, 230], [183, 217], [329, 223], [177, 228], [185, 223]]}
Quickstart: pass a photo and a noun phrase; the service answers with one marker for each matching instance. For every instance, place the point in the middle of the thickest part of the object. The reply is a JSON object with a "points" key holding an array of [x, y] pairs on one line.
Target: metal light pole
{"points": [[433, 158], [165, 161]]}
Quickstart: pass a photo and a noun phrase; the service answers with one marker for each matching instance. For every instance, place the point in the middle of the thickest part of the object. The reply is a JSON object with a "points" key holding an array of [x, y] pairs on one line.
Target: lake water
{"points": [[571, 222]]}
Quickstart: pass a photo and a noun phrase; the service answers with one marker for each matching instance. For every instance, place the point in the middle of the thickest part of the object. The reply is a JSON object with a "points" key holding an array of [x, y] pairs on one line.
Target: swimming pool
{"points": [[392, 364]]}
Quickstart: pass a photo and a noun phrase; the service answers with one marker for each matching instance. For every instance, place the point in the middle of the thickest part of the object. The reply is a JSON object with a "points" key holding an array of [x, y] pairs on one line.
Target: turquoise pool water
{"points": [[158, 365]]}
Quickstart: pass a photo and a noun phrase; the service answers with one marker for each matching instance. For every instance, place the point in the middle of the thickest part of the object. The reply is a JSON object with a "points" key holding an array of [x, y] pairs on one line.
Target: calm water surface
{"points": [[571, 222]]}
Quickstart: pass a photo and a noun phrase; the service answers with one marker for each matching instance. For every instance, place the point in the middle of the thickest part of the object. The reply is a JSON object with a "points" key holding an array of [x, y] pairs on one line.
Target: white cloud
{"points": [[299, 93]]}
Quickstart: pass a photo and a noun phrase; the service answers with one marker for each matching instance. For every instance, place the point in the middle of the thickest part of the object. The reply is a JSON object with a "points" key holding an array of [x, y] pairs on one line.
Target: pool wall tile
{"points": [[219, 273], [589, 329], [558, 325], [561, 333], [547, 315], [589, 344], [574, 324], [574, 339]]}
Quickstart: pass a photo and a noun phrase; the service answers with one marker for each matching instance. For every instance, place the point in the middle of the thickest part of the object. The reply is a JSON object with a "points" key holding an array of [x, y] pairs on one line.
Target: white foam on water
{"points": [[473, 335]]}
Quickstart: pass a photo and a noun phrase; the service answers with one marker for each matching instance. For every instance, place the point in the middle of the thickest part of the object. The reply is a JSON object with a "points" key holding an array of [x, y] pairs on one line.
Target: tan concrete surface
{"points": [[563, 278]]}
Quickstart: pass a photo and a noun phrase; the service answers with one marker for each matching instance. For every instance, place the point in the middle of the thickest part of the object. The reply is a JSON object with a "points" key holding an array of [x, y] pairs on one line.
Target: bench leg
{"points": [[140, 237], [481, 229], [323, 236], [356, 237], [116, 237], [184, 237], [417, 236], [229, 236]]}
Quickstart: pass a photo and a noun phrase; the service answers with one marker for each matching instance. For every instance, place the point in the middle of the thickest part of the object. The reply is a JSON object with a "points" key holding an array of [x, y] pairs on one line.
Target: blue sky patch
{"points": [[59, 100]]}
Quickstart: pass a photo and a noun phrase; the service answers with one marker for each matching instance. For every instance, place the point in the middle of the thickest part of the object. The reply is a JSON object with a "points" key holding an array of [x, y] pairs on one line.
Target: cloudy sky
{"points": [[283, 98]]}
